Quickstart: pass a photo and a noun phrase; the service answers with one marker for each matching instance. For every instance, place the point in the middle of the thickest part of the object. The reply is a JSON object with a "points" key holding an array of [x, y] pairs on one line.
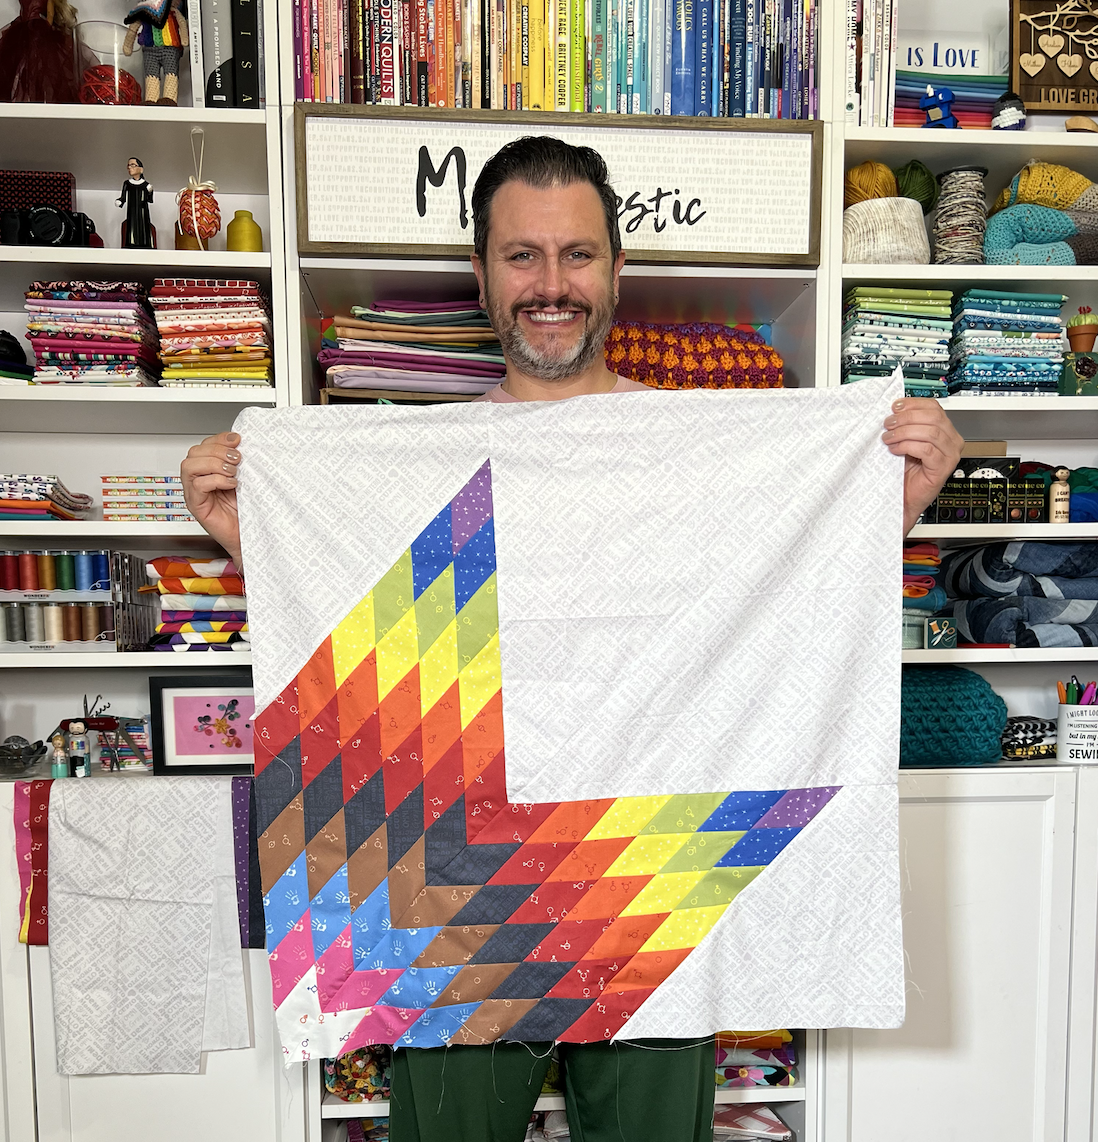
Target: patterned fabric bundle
{"points": [[923, 596], [748, 1122], [1006, 343], [697, 355], [403, 346], [884, 327], [213, 332], [144, 497], [202, 605], [1048, 215], [25, 496], [91, 333], [1032, 739], [974, 97], [747, 1076], [361, 1076]]}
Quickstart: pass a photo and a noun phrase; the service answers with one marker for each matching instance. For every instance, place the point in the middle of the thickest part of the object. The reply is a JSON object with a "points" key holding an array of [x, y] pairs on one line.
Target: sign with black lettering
{"points": [[1054, 54], [399, 181]]}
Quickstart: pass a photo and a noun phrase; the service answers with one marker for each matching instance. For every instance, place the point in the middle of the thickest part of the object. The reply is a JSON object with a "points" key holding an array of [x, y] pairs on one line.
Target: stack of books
{"points": [[149, 498], [733, 58]]}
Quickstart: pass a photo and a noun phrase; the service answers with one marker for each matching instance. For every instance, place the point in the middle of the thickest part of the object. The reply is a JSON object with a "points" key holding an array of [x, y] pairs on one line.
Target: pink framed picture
{"points": [[203, 724]]}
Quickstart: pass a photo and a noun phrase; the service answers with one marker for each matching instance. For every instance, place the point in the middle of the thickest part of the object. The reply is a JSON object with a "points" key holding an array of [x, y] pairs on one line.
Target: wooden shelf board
{"points": [[962, 276], [983, 532], [43, 530], [1003, 655], [1024, 418], [219, 260], [138, 114], [141, 659]]}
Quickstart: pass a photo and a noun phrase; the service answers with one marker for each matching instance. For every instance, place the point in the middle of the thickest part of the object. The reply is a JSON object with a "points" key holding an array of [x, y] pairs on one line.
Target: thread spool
{"points": [[70, 622], [13, 622], [9, 571], [47, 571], [28, 571], [914, 180], [55, 627], [106, 624], [85, 570], [66, 571], [868, 180], [101, 571], [961, 219], [89, 622], [35, 625]]}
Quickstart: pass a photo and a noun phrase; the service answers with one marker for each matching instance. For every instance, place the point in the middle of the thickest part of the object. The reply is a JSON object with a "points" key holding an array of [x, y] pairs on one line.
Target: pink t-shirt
{"points": [[624, 385]]}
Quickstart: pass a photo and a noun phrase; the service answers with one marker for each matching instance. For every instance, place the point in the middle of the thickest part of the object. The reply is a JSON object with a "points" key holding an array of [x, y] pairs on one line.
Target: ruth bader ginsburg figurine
{"points": [[138, 233]]}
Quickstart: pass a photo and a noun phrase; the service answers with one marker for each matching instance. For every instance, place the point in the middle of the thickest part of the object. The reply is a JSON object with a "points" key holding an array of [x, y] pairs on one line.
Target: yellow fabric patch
{"points": [[662, 893], [479, 681], [626, 817], [646, 854], [684, 928], [438, 668], [397, 653], [353, 639]]}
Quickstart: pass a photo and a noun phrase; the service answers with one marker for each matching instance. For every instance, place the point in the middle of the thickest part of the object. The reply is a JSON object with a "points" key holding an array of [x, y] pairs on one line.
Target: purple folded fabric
{"points": [[203, 616], [425, 363], [405, 306]]}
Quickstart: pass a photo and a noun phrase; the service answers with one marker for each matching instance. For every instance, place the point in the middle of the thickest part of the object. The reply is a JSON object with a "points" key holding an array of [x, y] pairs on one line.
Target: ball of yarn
{"points": [[885, 231], [961, 220], [868, 180], [105, 84], [199, 214], [914, 180], [949, 716]]}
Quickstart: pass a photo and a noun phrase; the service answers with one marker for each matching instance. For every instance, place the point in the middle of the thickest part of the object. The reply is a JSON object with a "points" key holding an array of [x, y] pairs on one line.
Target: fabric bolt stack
{"points": [[213, 332], [29, 496], [973, 102], [1006, 343], [138, 729], [755, 1058], [1031, 593], [922, 593], [1030, 739], [144, 497], [90, 332], [413, 346], [885, 327], [202, 605], [14, 369], [1047, 216], [731, 1123]]}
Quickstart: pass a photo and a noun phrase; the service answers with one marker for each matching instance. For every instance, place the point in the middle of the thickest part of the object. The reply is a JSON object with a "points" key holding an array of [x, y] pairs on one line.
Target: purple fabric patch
{"points": [[242, 787], [472, 506], [797, 808]]}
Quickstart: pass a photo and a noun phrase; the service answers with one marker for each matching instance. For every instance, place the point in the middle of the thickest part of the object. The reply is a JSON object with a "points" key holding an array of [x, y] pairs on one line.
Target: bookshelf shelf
{"points": [[989, 532]]}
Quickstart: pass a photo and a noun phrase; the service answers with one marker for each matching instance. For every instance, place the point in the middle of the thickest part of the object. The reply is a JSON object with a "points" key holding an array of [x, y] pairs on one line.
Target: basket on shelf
{"points": [[885, 231]]}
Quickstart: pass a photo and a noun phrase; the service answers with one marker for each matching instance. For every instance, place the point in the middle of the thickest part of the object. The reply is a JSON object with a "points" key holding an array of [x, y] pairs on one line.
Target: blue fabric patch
{"points": [[474, 563], [418, 987], [370, 923], [432, 552], [399, 948], [739, 811], [287, 901], [330, 911], [436, 1026], [757, 847]]}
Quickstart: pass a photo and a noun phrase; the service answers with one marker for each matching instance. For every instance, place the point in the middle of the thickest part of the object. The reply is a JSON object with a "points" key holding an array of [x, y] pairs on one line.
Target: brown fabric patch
{"points": [[493, 1018], [282, 842], [326, 853], [475, 982], [436, 906], [367, 866], [407, 880], [455, 946]]}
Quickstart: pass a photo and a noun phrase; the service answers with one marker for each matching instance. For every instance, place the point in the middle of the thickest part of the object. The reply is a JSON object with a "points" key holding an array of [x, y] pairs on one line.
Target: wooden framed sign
{"points": [[398, 181], [1054, 54]]}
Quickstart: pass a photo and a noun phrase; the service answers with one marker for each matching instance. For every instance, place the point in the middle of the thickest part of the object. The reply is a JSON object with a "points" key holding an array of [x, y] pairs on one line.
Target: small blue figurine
{"points": [[938, 106]]}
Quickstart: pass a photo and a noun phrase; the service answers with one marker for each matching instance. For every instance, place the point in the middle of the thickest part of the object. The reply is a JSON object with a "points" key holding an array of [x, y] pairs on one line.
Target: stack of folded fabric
{"points": [[86, 332], [1047, 216], [127, 757], [213, 332], [145, 497], [1024, 594], [755, 1058], [26, 496], [405, 346], [922, 592], [1030, 739], [974, 97], [885, 327], [202, 605], [1006, 344], [14, 369], [731, 1123]]}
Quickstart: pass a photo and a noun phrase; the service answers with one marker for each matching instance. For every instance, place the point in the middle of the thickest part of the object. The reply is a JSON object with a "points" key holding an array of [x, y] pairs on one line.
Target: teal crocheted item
{"points": [[1029, 235], [949, 716]]}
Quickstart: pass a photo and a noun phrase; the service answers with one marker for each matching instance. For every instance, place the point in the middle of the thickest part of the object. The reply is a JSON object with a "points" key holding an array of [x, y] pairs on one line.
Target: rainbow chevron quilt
{"points": [[572, 722]]}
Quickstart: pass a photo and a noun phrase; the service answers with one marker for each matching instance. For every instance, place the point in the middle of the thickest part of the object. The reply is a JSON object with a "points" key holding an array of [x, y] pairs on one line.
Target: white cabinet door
{"points": [[1082, 1045], [986, 869]]}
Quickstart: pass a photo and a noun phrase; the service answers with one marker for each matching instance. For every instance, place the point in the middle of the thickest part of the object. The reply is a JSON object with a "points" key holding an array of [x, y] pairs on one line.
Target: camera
{"points": [[47, 226]]}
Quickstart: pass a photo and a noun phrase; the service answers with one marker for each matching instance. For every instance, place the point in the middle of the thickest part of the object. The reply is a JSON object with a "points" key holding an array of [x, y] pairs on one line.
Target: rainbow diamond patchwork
{"points": [[406, 900]]}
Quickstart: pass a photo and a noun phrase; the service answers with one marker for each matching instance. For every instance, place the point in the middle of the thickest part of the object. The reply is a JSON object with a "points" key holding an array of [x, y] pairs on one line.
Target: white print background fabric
{"points": [[698, 591], [144, 936]]}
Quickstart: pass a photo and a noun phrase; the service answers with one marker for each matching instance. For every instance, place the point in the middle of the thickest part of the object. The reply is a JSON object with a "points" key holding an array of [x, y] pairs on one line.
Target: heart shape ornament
{"points": [[1031, 64], [1094, 69], [1050, 44], [1069, 65]]}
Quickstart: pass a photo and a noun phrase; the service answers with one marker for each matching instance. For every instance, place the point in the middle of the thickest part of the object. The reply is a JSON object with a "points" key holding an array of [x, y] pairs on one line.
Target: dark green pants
{"points": [[614, 1092]]}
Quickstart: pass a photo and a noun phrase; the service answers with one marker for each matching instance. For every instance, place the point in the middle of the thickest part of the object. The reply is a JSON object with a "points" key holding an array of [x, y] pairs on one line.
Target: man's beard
{"points": [[547, 365]]}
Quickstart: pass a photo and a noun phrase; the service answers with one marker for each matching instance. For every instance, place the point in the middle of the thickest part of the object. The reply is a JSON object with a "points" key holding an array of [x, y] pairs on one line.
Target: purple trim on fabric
{"points": [[242, 787], [471, 508], [797, 808]]}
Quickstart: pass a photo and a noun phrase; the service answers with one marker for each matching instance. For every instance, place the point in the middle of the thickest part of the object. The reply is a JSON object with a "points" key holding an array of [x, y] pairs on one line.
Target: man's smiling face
{"points": [[549, 281]]}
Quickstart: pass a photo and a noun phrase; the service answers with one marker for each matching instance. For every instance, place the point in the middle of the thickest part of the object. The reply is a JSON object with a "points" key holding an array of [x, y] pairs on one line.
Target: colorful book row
{"points": [[733, 58]]}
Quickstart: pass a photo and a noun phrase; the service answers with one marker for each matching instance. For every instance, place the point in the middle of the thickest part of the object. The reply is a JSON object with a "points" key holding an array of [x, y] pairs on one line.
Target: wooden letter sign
{"points": [[1054, 54]]}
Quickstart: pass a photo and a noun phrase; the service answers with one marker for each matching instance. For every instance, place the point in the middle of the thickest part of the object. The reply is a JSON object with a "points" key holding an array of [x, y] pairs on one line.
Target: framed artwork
{"points": [[203, 725], [1054, 54]]}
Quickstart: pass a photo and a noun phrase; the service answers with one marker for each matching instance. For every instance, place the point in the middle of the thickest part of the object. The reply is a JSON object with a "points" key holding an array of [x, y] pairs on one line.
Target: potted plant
{"points": [[1082, 330]]}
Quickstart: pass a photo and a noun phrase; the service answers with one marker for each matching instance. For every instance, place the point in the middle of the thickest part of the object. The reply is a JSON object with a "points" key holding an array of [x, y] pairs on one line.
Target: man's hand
{"points": [[209, 487], [920, 432]]}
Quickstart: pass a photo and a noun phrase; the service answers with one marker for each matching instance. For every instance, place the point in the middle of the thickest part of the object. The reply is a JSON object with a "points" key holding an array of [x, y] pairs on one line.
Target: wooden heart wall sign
{"points": [[1059, 32]]}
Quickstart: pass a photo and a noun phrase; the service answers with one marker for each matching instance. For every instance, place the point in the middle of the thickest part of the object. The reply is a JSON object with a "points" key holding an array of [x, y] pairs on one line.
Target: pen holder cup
{"points": [[1077, 735]]}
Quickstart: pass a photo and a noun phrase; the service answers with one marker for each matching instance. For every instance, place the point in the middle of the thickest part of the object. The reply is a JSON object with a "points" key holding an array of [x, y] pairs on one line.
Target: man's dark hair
{"points": [[541, 161]]}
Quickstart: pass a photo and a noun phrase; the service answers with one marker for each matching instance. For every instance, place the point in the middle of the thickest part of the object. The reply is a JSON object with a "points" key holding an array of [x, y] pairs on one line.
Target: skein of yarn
{"points": [[961, 219], [914, 180], [868, 180]]}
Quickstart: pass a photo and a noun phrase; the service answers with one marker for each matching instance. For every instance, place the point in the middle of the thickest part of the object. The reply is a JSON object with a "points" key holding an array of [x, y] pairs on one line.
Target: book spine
{"points": [[476, 58], [387, 55], [588, 40], [217, 40], [869, 33], [422, 93], [643, 75], [738, 36], [611, 57], [725, 106], [891, 89], [261, 71], [668, 50], [536, 54], [524, 53], [682, 59], [510, 7], [408, 52], [495, 13], [562, 69], [299, 57], [373, 78], [884, 29], [657, 9], [598, 56], [577, 54], [459, 58], [325, 10], [467, 7], [785, 93], [750, 87], [315, 7], [484, 24], [620, 97], [850, 99], [345, 50], [198, 71], [703, 10], [358, 73]]}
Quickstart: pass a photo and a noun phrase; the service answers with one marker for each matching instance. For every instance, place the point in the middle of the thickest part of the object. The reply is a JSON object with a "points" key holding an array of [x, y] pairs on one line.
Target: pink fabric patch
{"points": [[334, 968], [363, 989], [21, 820], [292, 959], [381, 1025]]}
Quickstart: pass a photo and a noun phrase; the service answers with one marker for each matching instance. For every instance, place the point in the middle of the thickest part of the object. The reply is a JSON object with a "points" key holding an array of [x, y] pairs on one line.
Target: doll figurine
{"points": [[138, 232], [160, 30], [1059, 497], [36, 54], [79, 750], [60, 762]]}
